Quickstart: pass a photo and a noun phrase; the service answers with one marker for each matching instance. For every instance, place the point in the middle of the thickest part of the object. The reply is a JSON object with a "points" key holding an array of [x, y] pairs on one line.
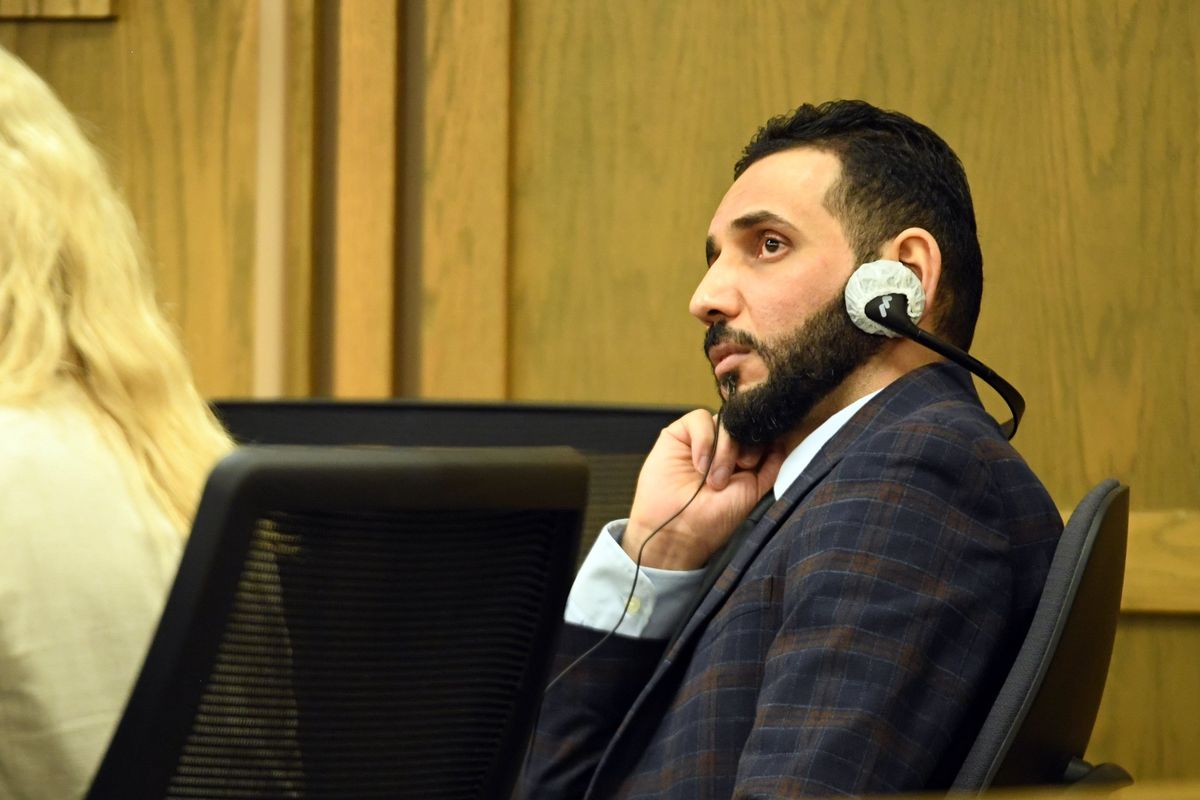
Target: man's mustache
{"points": [[720, 333]]}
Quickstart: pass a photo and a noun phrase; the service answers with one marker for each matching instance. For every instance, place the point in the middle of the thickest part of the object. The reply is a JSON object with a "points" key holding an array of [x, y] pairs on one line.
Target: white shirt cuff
{"points": [[660, 597]]}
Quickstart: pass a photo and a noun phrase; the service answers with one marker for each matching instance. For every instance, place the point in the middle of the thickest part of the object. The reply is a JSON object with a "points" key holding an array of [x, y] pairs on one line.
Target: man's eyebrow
{"points": [[756, 218]]}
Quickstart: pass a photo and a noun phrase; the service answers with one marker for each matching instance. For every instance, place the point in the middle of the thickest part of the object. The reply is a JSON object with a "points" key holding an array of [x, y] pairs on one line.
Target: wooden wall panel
{"points": [[192, 80], [299, 145], [168, 91], [56, 9], [284, 193], [1162, 565], [364, 245], [455, 298], [1148, 718], [270, 210], [1092, 224], [1076, 122]]}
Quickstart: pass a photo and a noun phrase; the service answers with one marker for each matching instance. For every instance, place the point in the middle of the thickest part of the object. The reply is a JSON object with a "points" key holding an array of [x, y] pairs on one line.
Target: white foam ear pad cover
{"points": [[877, 278]]}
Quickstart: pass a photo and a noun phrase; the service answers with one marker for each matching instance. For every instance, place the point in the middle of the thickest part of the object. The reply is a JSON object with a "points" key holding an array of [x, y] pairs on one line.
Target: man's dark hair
{"points": [[896, 174]]}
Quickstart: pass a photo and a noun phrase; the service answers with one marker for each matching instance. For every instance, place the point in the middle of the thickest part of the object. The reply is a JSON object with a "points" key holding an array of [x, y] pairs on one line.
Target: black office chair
{"points": [[355, 623], [1038, 728]]}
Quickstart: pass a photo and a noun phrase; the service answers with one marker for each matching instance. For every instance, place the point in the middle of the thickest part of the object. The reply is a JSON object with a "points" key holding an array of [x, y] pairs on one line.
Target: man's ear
{"points": [[918, 250]]}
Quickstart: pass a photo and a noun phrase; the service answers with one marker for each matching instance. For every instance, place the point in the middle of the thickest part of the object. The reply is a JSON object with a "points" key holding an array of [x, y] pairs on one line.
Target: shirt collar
{"points": [[802, 456]]}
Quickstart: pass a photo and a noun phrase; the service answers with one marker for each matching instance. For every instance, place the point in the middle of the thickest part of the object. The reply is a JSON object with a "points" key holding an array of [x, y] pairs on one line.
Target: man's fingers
{"points": [[725, 462], [749, 457], [695, 430]]}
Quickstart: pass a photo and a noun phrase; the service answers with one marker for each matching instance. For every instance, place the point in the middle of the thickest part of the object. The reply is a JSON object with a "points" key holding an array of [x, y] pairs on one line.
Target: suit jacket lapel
{"points": [[755, 540]]}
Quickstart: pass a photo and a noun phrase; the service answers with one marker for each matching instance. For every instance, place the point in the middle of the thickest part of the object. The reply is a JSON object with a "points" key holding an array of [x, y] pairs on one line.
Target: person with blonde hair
{"points": [[105, 444]]}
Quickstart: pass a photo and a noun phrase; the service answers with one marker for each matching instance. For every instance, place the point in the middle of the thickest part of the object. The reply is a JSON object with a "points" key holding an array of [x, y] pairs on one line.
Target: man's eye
{"points": [[772, 245]]}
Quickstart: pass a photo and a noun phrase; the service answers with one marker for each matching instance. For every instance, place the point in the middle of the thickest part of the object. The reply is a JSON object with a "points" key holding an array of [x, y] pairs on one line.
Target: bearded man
{"points": [[859, 550]]}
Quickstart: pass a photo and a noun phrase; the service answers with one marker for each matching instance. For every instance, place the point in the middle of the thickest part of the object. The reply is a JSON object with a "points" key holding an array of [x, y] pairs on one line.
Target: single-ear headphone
{"points": [[886, 298]]}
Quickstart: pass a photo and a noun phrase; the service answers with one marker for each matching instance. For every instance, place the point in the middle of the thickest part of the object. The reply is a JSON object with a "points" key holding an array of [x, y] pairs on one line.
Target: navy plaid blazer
{"points": [[855, 640]]}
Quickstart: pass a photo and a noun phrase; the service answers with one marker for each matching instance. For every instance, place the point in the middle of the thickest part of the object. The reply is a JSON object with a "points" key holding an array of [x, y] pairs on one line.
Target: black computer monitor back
{"points": [[613, 439]]}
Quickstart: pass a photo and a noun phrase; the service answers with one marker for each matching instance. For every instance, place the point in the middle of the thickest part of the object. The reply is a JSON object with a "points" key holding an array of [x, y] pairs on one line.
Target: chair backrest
{"points": [[355, 622], [613, 439], [1044, 713]]}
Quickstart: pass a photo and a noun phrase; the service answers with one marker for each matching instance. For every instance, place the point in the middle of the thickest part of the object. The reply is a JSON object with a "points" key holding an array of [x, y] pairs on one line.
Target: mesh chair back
{"points": [[1044, 713], [355, 623]]}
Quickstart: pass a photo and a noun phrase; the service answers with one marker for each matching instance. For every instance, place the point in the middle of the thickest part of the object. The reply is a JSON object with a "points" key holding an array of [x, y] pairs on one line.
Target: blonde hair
{"points": [[76, 301]]}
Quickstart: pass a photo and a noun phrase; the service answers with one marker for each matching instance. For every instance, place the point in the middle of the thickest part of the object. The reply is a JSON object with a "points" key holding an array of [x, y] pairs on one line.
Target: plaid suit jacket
{"points": [[855, 640]]}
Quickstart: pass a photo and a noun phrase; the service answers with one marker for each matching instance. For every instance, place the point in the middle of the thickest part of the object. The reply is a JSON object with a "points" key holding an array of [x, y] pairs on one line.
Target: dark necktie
{"points": [[721, 560]]}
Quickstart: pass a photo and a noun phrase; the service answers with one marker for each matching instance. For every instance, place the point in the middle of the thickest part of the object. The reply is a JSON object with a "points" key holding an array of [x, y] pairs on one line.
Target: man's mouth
{"points": [[727, 356]]}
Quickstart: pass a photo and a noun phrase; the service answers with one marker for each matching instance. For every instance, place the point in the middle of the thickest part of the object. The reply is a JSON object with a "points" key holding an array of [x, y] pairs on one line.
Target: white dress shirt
{"points": [[661, 596]]}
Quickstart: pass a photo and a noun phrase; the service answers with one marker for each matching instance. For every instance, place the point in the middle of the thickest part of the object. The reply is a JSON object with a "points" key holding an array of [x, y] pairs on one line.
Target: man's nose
{"points": [[717, 297]]}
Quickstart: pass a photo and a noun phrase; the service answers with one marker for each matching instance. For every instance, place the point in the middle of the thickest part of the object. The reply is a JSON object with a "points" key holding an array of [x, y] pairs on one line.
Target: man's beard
{"points": [[801, 371]]}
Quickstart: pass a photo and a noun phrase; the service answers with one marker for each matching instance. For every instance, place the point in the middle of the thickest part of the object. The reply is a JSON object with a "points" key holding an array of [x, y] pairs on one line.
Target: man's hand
{"points": [[674, 468]]}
